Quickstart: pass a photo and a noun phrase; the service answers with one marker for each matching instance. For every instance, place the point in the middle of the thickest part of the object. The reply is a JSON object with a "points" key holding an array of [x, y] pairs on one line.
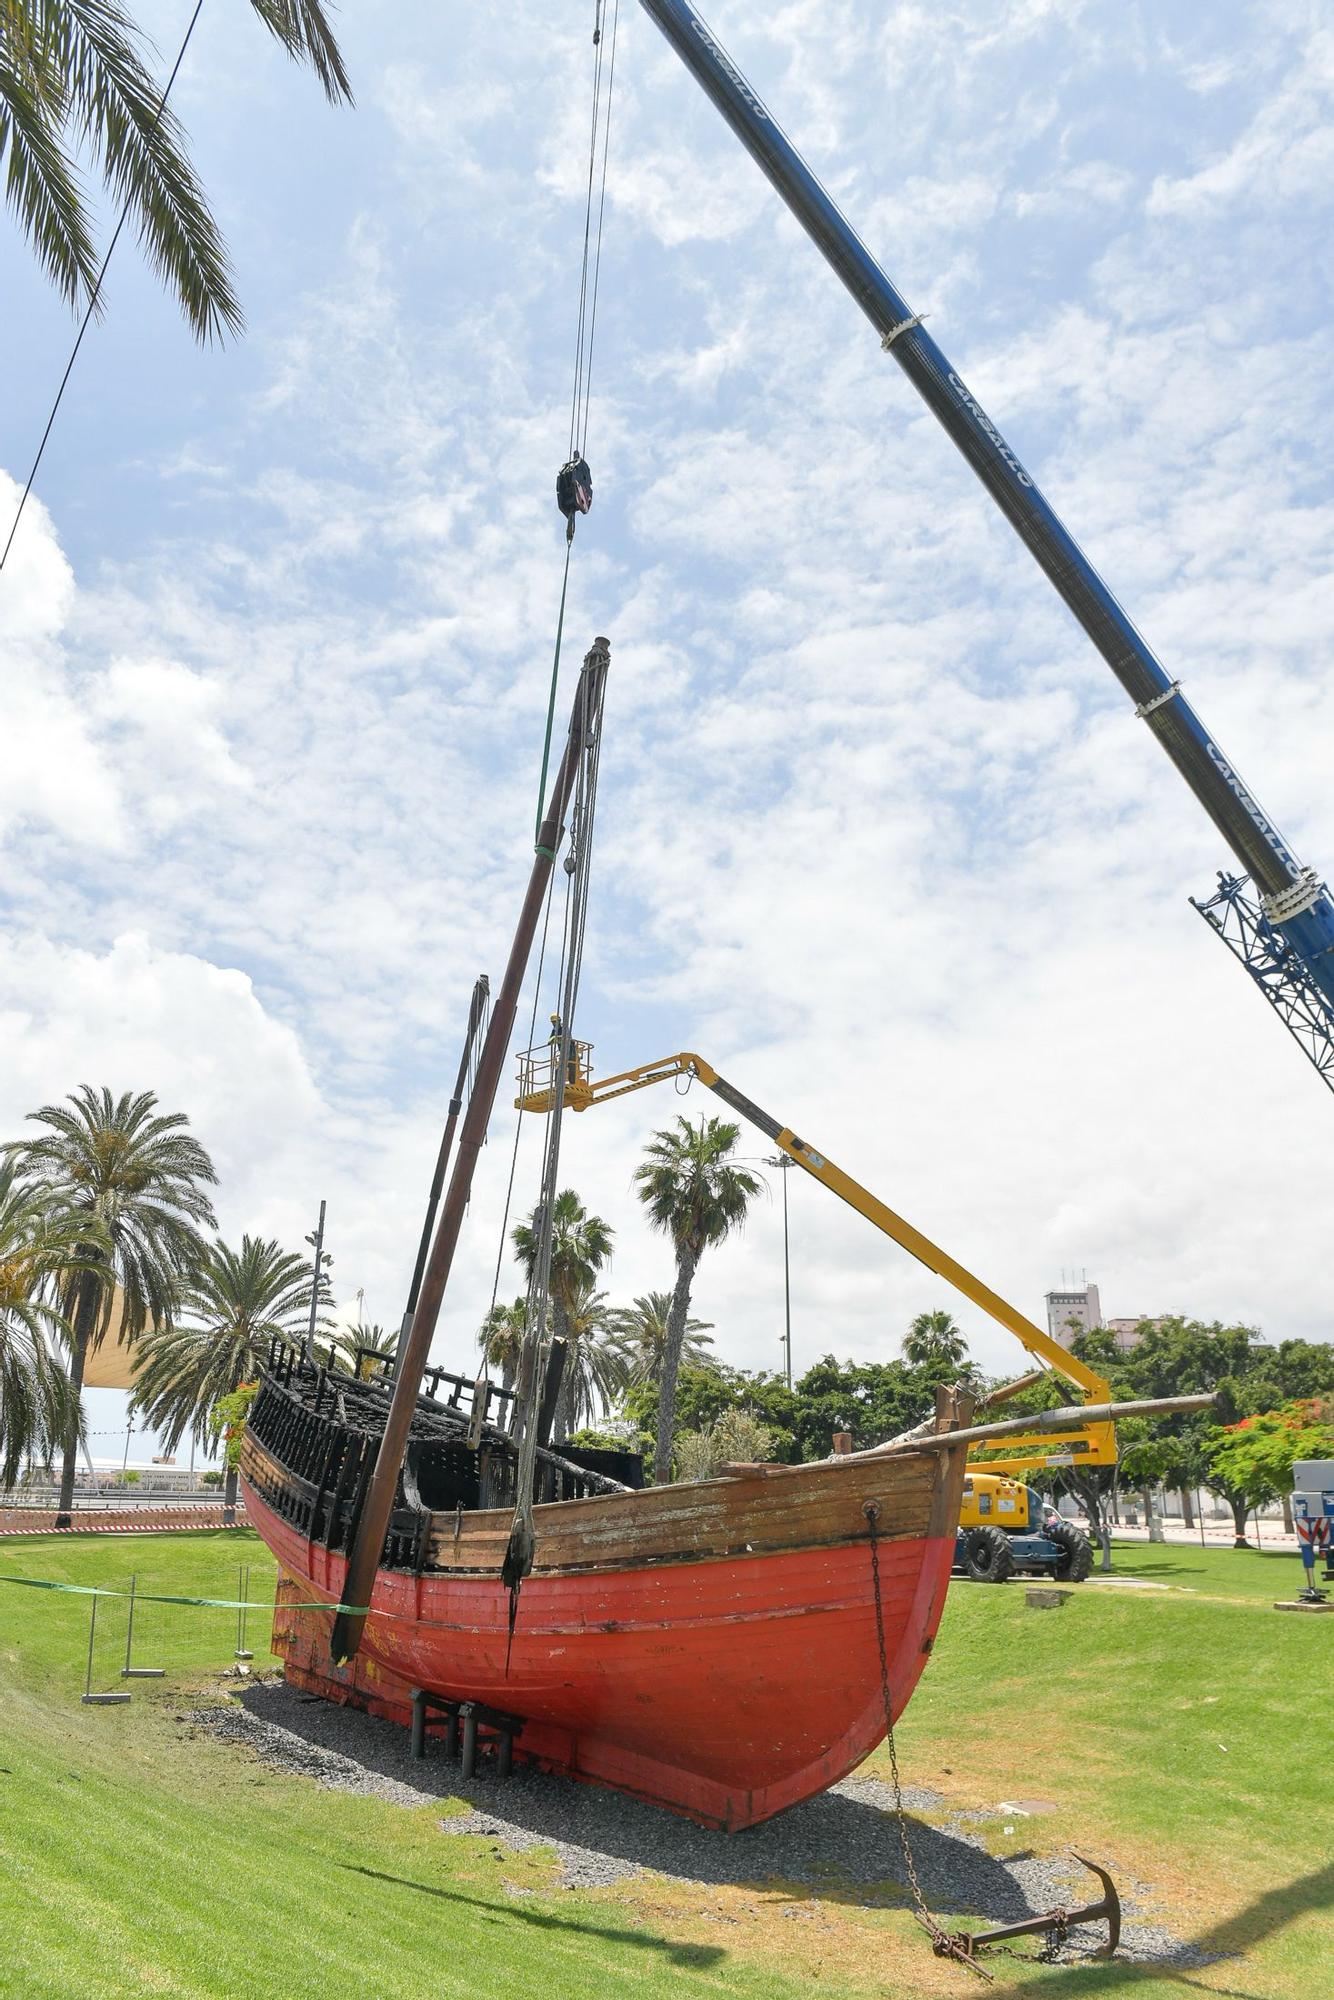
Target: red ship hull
{"points": [[725, 1684]]}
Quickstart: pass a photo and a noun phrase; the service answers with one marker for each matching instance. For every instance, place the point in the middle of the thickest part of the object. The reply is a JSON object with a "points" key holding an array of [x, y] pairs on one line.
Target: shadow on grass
{"points": [[1129, 1561], [841, 1846], [696, 1957], [1229, 1939]]}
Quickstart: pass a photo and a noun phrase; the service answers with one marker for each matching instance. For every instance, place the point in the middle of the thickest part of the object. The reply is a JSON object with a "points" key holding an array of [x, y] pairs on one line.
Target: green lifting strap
{"points": [[551, 707]]}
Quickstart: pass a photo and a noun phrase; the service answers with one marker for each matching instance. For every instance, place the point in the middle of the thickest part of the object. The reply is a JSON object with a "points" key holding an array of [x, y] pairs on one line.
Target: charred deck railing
{"points": [[321, 1429]]}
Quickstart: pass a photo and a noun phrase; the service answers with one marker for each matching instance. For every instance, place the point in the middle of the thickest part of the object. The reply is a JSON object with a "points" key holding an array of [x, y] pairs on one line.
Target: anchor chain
{"points": [[1059, 1932], [943, 1945], [963, 1945]]}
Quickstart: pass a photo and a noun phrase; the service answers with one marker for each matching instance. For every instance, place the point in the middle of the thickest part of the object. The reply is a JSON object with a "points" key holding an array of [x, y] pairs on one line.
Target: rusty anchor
{"points": [[1056, 1923]]}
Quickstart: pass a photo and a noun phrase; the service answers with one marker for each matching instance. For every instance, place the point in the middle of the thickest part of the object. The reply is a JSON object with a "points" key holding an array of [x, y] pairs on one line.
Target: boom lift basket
{"points": [[537, 1077]]}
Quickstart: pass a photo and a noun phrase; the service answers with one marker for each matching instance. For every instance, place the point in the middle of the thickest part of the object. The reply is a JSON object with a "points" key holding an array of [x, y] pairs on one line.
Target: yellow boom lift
{"points": [[1094, 1445]]}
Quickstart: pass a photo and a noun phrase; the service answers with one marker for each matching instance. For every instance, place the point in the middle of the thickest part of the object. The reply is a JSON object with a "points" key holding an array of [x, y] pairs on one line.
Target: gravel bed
{"points": [[845, 1840]]}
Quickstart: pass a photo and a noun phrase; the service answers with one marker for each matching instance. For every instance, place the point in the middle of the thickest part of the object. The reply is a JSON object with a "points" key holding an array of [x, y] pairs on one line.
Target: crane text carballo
{"points": [[734, 76], [980, 417], [1235, 785]]}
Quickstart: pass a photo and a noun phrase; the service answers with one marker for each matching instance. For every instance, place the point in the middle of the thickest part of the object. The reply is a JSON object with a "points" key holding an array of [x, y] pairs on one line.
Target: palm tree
{"points": [[595, 1371], [373, 1341], [233, 1306], [695, 1195], [935, 1341], [39, 1248], [136, 1181], [75, 77], [500, 1338], [641, 1331], [580, 1246]]}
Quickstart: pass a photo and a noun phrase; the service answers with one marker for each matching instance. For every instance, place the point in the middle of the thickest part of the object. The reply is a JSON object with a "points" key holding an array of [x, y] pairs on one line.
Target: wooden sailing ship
{"points": [[724, 1647], [712, 1646], [715, 1646]]}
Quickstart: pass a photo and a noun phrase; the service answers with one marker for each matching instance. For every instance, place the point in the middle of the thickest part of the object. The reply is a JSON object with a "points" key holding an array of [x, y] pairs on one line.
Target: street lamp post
{"points": [[782, 1160]]}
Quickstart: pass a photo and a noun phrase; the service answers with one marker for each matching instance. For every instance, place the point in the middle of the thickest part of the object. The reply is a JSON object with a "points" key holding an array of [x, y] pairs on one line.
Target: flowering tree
{"points": [[1251, 1462]]}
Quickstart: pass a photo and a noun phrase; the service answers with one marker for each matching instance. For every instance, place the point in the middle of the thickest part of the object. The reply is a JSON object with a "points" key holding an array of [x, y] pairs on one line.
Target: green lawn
{"points": [[135, 1860], [1266, 1574], [1184, 1732]]}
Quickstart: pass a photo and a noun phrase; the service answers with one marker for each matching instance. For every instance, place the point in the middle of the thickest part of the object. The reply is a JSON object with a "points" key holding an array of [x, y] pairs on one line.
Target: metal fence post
{"points": [[97, 1700]]}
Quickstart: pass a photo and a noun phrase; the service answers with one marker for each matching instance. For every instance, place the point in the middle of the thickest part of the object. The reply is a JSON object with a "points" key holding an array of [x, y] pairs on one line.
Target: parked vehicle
{"points": [[1007, 1528]]}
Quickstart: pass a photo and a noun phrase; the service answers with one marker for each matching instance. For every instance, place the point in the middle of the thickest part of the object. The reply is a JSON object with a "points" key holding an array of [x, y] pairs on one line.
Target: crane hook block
{"points": [[574, 488]]}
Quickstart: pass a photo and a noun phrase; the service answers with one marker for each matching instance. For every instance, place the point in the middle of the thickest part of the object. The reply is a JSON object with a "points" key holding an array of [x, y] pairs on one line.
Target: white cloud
{"points": [[138, 1018], [1285, 155], [54, 772], [1077, 189]]}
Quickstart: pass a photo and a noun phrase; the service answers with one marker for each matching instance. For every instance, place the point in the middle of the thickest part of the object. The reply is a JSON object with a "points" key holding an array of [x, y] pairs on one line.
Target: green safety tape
{"points": [[210, 1603]]}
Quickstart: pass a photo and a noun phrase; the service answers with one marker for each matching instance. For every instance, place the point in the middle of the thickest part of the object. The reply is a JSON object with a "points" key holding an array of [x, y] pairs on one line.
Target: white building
{"points": [[1082, 1305]]}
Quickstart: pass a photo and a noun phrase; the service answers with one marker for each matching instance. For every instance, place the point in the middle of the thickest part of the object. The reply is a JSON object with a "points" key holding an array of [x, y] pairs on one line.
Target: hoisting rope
{"points": [[574, 481], [518, 1132], [578, 866], [588, 293]]}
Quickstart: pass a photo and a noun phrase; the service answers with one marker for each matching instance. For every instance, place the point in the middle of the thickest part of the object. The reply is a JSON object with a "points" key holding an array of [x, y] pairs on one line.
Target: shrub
{"points": [[734, 1437]]}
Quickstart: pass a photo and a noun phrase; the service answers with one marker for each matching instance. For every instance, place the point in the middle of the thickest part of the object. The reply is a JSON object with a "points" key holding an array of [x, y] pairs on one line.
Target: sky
{"points": [[879, 834]]}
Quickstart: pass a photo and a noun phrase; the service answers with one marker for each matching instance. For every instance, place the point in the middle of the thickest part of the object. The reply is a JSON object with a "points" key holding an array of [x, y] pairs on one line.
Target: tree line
{"points": [[107, 1223], [1275, 1406], [107, 1227]]}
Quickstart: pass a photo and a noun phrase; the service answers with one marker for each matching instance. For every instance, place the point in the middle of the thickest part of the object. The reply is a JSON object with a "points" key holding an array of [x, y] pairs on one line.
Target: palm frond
{"points": [[140, 1181], [40, 182], [39, 1245], [235, 1304], [91, 56], [641, 1331], [302, 26], [82, 67], [692, 1191]]}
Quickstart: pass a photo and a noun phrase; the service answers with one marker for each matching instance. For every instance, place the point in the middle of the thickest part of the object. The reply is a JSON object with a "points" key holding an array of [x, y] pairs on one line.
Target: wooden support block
{"points": [[1300, 1604], [1044, 1598]]}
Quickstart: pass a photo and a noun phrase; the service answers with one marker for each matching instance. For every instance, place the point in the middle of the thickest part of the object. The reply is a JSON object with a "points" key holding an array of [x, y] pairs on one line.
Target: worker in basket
{"points": [[572, 1065]]}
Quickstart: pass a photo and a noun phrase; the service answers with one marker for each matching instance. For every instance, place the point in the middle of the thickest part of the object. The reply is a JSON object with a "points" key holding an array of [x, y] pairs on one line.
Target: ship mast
{"points": [[368, 1543]]}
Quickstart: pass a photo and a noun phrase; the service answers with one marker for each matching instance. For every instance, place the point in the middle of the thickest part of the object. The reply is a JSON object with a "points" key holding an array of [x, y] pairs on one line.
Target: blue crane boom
{"points": [[1283, 932]]}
